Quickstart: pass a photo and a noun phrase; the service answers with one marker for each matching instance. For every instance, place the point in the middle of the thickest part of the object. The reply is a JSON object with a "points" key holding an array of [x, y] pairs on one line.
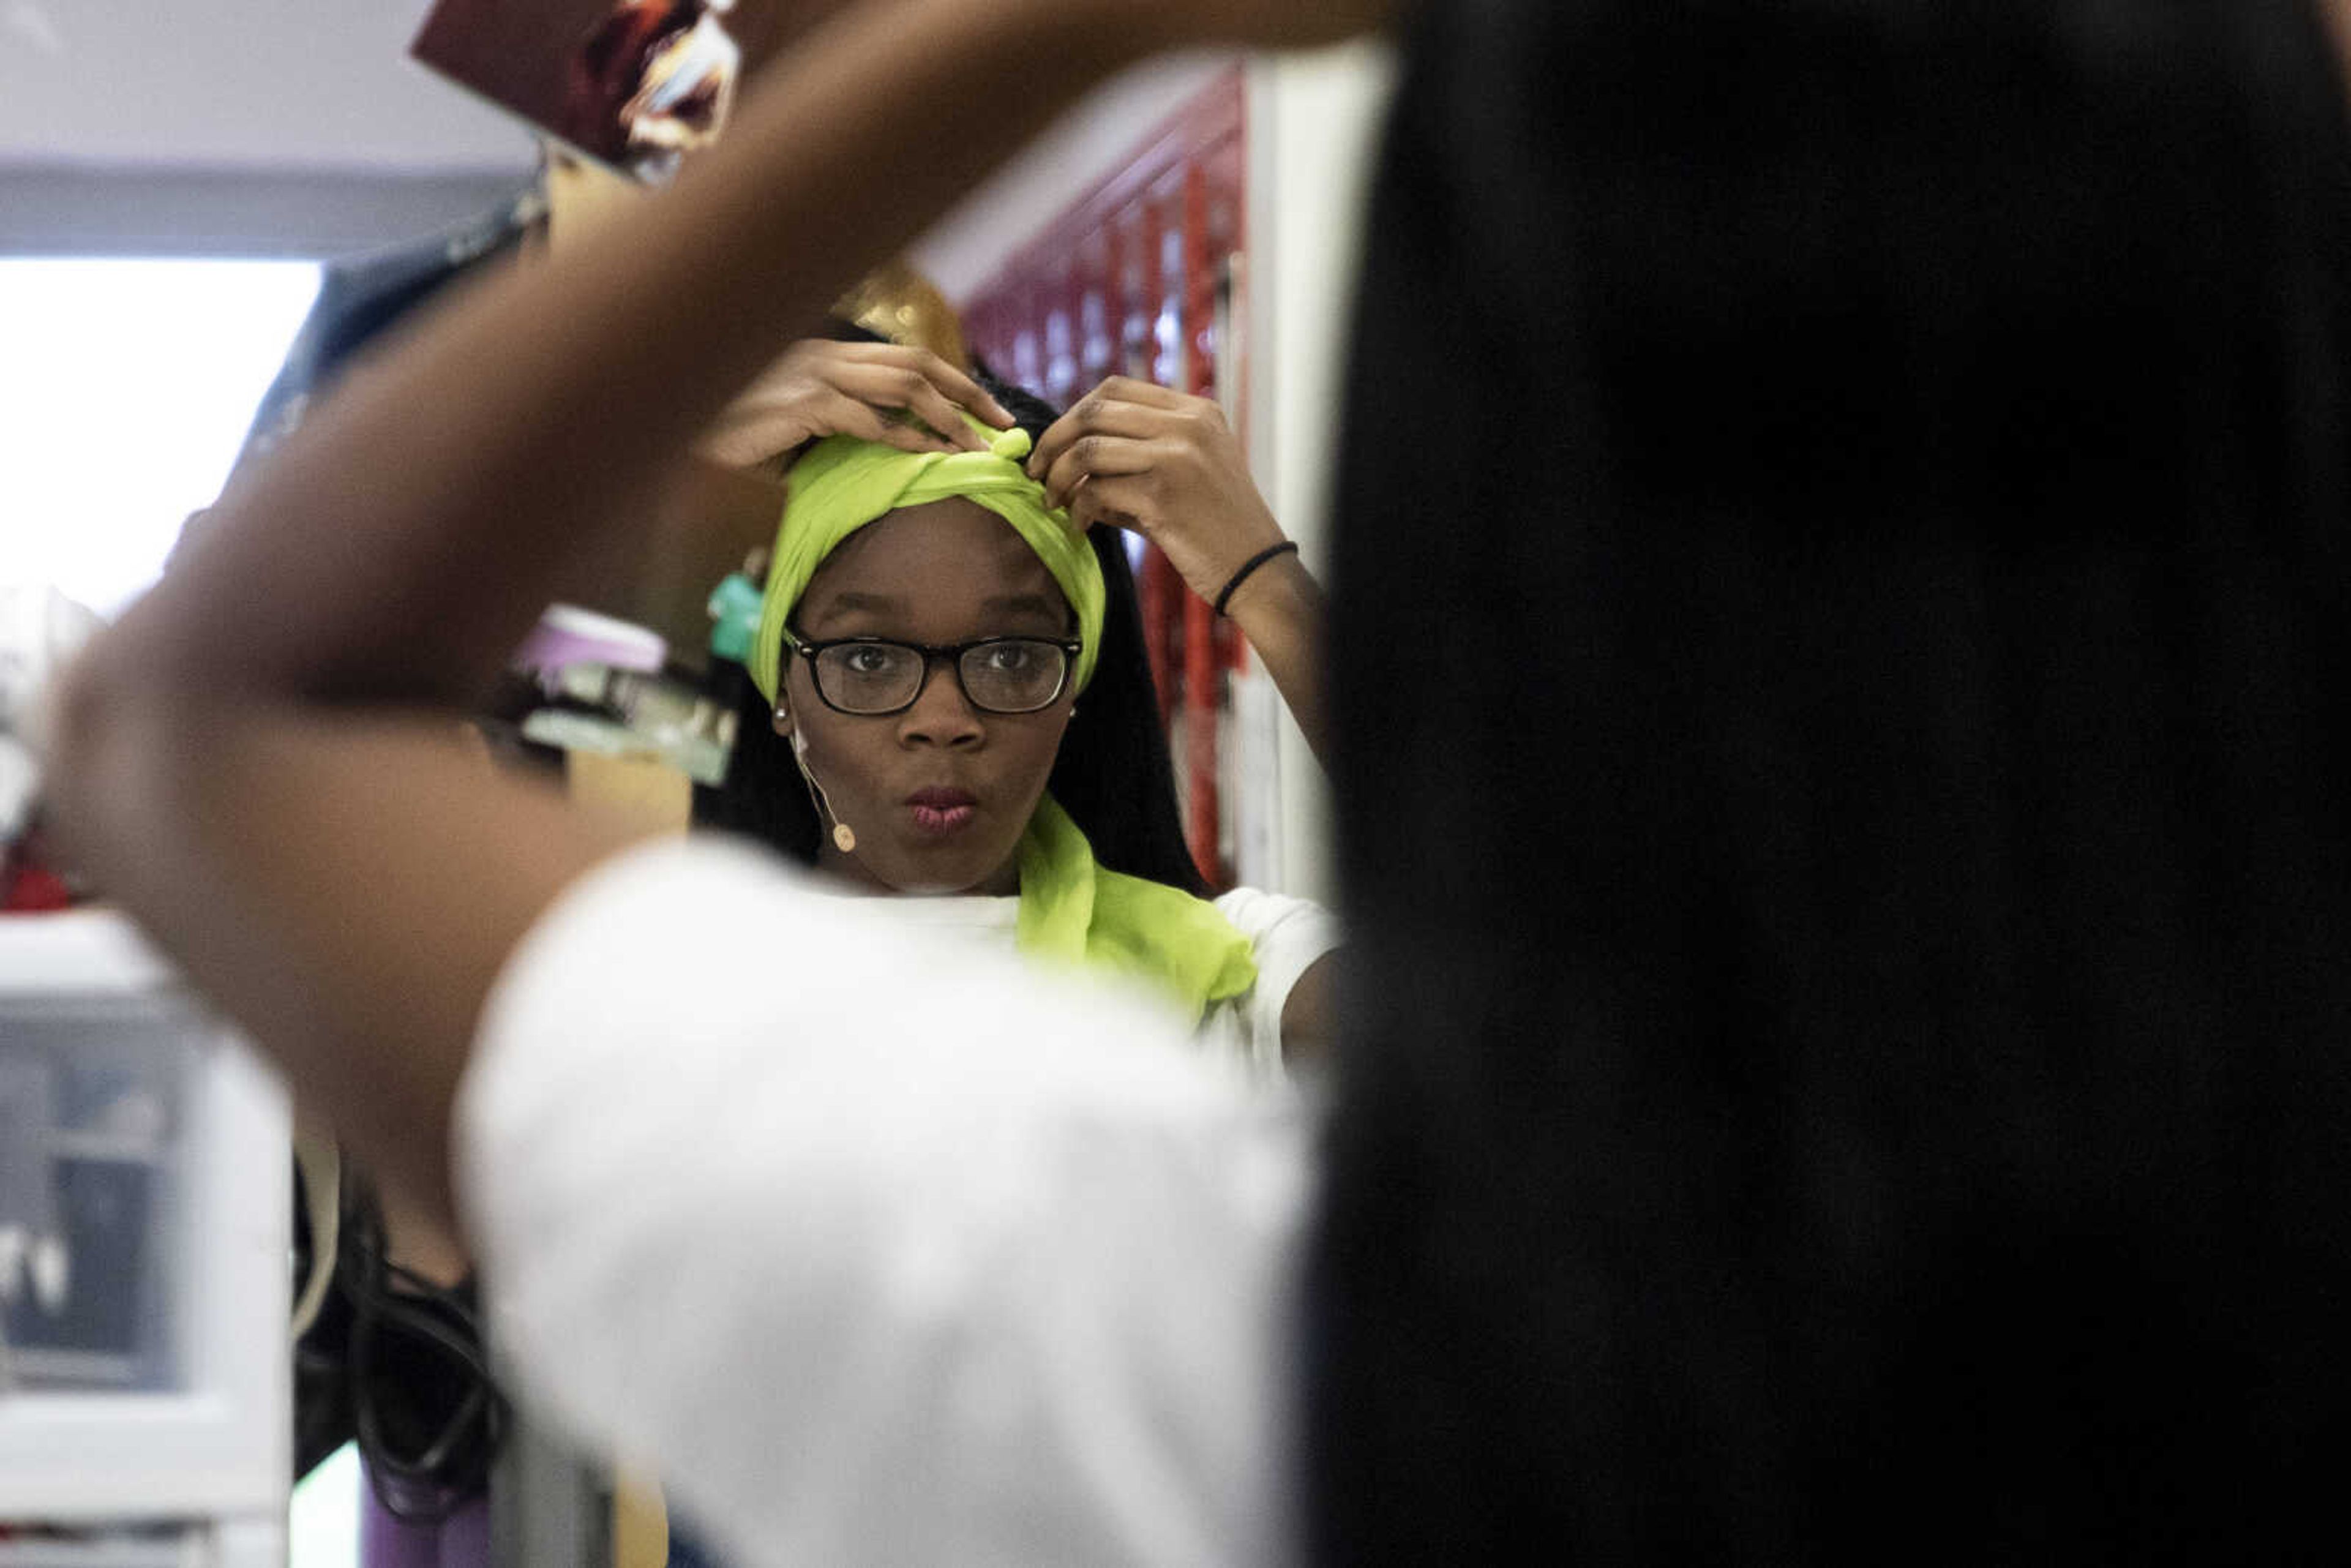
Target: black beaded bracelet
{"points": [[1287, 547]]}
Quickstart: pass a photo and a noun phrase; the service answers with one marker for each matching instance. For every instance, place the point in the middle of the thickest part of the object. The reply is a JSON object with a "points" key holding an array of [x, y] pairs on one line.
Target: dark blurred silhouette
{"points": [[1841, 662]]}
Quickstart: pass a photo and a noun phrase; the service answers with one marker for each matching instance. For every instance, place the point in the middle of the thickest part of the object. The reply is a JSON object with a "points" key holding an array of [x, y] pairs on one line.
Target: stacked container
{"points": [[144, 1239]]}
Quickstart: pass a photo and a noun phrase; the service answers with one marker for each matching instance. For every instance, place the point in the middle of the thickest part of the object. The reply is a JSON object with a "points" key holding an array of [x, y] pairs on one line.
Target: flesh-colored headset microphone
{"points": [[845, 837]]}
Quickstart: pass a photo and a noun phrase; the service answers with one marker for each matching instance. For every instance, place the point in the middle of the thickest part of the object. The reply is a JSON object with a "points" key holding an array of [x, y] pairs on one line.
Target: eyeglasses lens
{"points": [[1014, 676]]}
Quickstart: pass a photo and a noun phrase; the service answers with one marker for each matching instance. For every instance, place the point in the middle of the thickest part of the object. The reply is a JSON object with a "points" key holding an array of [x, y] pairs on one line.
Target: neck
{"points": [[852, 876]]}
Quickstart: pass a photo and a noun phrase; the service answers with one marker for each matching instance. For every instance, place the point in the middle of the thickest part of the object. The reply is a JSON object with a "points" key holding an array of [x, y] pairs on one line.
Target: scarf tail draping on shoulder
{"points": [[1073, 909]]}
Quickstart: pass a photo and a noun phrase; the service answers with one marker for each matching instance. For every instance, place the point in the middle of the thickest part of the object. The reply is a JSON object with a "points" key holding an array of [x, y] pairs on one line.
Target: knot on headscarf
{"points": [[844, 485], [1073, 909]]}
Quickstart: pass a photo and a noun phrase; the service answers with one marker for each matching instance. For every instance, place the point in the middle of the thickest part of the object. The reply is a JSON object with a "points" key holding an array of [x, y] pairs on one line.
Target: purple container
{"points": [[567, 635]]}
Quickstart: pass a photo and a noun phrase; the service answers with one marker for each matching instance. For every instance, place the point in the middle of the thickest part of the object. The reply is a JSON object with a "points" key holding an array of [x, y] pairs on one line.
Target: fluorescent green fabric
{"points": [[1076, 909], [846, 484], [1073, 909]]}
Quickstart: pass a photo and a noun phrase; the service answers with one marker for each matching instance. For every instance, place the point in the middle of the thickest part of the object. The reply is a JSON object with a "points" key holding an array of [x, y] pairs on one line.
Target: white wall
{"points": [[968, 246], [1314, 122], [294, 127]]}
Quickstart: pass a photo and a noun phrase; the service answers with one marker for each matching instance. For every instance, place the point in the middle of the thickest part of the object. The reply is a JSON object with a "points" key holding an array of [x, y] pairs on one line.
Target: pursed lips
{"points": [[940, 810]]}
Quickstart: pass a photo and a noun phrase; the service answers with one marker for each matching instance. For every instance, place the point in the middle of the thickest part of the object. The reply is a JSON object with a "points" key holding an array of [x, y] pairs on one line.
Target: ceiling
{"points": [[233, 127], [235, 84], [302, 126]]}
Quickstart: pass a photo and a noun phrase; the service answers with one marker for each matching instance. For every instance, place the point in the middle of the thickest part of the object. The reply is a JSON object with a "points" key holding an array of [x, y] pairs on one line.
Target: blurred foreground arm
{"points": [[232, 759]]}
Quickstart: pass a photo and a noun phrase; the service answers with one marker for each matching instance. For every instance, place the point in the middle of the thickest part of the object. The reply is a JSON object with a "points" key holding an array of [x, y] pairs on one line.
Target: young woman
{"points": [[1027, 773], [1844, 666]]}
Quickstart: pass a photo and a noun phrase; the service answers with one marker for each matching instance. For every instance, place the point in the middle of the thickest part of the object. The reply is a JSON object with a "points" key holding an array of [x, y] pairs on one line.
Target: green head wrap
{"points": [[1072, 908], [846, 484]]}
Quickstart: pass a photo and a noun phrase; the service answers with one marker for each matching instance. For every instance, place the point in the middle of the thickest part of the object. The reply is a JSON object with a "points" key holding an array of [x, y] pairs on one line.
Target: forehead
{"points": [[948, 567]]}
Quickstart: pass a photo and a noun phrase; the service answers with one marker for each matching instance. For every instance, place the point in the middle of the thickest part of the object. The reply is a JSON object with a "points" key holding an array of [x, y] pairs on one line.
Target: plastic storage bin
{"points": [[145, 1220], [92, 1102], [192, 1548]]}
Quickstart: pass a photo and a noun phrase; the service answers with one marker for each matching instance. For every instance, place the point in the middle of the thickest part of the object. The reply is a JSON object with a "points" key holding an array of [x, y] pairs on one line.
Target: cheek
{"points": [[1037, 743], [837, 746], [840, 755]]}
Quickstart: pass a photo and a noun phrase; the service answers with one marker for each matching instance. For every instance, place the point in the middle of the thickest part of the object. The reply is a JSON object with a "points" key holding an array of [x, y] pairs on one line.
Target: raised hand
{"points": [[864, 390], [1167, 466]]}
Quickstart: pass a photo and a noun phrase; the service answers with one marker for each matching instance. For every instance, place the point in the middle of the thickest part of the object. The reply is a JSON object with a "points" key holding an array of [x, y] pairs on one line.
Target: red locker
{"points": [[1135, 279]]}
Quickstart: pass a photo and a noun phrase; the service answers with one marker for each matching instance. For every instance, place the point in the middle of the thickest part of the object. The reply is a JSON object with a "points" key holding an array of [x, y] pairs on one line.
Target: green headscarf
{"points": [[1072, 908]]}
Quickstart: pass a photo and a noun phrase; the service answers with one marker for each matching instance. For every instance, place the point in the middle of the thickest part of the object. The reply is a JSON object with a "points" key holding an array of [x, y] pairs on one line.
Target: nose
{"points": [[942, 715]]}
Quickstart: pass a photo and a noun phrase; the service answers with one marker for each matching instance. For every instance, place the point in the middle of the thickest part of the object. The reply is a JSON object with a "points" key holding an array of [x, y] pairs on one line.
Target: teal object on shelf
{"points": [[735, 606]]}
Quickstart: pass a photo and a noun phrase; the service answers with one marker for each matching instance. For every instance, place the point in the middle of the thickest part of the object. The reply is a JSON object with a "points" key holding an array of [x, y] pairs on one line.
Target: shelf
{"points": [[75, 1371], [136, 1148], [184, 1550]]}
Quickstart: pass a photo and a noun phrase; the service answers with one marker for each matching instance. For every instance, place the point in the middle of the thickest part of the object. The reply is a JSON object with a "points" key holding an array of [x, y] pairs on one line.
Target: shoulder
{"points": [[1278, 918], [1286, 936]]}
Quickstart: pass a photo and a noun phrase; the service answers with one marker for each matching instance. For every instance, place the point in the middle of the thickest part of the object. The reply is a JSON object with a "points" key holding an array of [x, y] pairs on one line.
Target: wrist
{"points": [[1264, 583]]}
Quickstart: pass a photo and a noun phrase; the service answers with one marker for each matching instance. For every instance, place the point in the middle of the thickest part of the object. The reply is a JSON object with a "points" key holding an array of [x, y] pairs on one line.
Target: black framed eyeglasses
{"points": [[873, 677]]}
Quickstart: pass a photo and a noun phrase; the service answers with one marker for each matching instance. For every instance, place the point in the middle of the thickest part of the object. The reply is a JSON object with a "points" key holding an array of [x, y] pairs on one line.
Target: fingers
{"points": [[1150, 394], [1125, 407], [966, 391], [897, 371], [912, 438], [935, 409], [1122, 502], [843, 415], [886, 387], [1095, 420], [1102, 457], [821, 387]]}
